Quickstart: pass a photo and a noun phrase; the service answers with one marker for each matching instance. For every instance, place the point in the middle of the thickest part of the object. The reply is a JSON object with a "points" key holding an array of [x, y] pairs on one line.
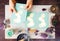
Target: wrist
{"points": [[29, 0]]}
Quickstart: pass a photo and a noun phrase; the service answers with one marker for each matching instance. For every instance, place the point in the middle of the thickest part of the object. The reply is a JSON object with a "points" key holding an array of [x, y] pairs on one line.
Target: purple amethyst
{"points": [[50, 30], [44, 35], [1, 25]]}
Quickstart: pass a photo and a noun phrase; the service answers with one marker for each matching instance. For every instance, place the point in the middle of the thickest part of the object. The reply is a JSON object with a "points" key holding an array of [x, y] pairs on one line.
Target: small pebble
{"points": [[28, 29], [37, 30], [36, 33], [43, 9]]}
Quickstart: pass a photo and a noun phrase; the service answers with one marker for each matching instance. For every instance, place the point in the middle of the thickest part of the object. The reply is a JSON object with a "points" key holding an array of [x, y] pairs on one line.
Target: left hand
{"points": [[29, 4]]}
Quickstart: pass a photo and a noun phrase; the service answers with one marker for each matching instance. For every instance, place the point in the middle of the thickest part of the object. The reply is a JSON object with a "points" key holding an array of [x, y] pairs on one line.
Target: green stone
{"points": [[10, 33]]}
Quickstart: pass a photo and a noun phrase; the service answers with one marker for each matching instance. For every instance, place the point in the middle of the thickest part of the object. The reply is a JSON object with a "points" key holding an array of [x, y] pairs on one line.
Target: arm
{"points": [[12, 5], [29, 4]]}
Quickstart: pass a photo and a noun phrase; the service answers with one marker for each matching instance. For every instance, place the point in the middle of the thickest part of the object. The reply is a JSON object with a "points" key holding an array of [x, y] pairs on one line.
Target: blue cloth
{"points": [[34, 20]]}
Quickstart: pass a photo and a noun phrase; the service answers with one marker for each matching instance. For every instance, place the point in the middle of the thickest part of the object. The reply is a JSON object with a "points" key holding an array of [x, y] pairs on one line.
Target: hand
{"points": [[12, 6], [29, 4], [12, 9]]}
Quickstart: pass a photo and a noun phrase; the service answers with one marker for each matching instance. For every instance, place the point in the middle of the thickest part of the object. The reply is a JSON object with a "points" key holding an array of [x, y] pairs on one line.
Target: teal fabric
{"points": [[21, 15], [36, 20], [25, 15]]}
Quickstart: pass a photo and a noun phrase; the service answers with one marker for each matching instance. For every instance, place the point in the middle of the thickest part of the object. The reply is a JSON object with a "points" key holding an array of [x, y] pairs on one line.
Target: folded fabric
{"points": [[18, 19], [38, 20]]}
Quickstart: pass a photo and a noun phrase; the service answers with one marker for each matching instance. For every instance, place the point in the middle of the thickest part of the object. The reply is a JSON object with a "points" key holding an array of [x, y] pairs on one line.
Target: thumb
{"points": [[27, 5]]}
